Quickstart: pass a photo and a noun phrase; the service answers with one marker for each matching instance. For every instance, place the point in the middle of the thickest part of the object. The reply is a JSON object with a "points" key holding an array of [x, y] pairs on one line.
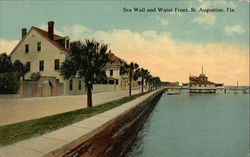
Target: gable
{"points": [[36, 34], [48, 50]]}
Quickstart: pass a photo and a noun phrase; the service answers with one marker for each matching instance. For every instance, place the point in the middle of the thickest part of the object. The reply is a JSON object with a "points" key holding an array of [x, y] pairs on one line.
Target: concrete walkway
{"points": [[22, 109], [63, 139]]}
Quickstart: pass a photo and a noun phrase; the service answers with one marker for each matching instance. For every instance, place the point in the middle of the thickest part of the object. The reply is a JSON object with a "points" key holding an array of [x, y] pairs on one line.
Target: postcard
{"points": [[124, 78]]}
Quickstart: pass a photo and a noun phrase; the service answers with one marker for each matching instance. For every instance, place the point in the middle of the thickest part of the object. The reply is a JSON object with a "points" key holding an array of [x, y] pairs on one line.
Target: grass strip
{"points": [[19, 131]]}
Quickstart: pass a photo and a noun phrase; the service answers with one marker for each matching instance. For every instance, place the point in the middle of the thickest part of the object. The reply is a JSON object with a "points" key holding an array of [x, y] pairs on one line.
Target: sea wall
{"points": [[115, 136]]}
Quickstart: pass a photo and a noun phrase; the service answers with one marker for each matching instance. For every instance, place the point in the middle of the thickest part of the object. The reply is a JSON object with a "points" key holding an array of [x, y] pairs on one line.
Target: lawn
{"points": [[19, 131]]}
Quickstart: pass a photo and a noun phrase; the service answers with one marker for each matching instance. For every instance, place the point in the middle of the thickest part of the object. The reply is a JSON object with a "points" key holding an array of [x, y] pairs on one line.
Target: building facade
{"points": [[43, 51]]}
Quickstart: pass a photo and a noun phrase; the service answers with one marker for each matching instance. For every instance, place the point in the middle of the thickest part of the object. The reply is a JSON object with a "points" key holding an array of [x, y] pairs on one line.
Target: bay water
{"points": [[212, 125]]}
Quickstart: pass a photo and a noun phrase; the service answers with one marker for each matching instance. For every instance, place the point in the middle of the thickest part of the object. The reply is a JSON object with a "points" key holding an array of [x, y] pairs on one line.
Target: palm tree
{"points": [[86, 60], [143, 73], [149, 80], [131, 70], [157, 82]]}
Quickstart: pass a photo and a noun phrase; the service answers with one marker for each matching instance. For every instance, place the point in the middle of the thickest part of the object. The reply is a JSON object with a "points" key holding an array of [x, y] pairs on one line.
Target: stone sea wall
{"points": [[114, 138]]}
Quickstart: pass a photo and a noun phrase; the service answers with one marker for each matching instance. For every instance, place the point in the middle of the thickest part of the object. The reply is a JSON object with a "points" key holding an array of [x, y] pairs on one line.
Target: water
{"points": [[196, 126]]}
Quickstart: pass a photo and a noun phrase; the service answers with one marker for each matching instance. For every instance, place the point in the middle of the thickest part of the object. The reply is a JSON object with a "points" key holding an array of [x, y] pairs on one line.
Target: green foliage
{"points": [[20, 68], [9, 75], [9, 82], [143, 73], [132, 71], [86, 60], [35, 76], [5, 63]]}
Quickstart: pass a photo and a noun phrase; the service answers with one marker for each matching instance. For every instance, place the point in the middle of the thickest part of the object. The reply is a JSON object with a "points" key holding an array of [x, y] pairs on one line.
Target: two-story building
{"points": [[113, 73], [43, 51]]}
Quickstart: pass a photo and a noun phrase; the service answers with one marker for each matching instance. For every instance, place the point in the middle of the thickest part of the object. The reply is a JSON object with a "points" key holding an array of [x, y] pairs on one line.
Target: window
{"points": [[70, 84], [111, 72], [26, 48], [56, 63], [205, 85], [38, 46], [199, 85], [28, 65], [79, 84], [67, 43], [41, 65]]}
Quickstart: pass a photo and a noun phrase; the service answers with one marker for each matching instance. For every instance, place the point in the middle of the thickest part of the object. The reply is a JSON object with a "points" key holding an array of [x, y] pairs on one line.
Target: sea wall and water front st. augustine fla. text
{"points": [[177, 10]]}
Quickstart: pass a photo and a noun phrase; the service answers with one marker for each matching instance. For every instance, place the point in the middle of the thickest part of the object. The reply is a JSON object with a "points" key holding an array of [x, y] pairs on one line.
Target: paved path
{"points": [[63, 139], [22, 109]]}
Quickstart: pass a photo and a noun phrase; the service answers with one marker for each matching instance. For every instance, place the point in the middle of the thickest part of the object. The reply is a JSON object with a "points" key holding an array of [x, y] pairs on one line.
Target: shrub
{"points": [[35, 76], [9, 82]]}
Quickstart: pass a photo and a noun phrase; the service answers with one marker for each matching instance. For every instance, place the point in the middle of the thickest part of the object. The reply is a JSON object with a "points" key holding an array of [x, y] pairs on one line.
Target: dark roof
{"points": [[54, 42], [115, 60], [193, 78]]}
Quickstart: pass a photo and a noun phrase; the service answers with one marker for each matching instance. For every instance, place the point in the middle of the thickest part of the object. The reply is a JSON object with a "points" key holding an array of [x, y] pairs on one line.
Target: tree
{"points": [[157, 82], [9, 79], [85, 60], [143, 73], [149, 81], [5, 63], [131, 70], [20, 68]]}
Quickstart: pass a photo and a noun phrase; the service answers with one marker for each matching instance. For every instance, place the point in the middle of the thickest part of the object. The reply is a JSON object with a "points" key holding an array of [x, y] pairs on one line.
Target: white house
{"points": [[43, 51], [113, 72]]}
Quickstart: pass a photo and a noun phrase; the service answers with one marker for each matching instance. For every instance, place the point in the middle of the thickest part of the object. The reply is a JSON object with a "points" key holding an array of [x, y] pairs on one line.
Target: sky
{"points": [[171, 45]]}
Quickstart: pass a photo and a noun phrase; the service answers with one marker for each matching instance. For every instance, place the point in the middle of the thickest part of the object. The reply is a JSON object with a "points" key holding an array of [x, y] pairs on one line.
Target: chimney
{"points": [[51, 30], [24, 31]]}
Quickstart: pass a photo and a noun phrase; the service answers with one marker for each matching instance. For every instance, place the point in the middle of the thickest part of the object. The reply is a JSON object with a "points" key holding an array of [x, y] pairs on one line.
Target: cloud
{"points": [[161, 20], [56, 31], [210, 4], [245, 1], [236, 29], [165, 57], [172, 60], [7, 45], [207, 19]]}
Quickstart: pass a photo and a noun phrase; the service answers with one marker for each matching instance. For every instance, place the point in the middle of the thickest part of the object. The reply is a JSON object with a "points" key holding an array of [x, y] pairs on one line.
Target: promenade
{"points": [[23, 109]]}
